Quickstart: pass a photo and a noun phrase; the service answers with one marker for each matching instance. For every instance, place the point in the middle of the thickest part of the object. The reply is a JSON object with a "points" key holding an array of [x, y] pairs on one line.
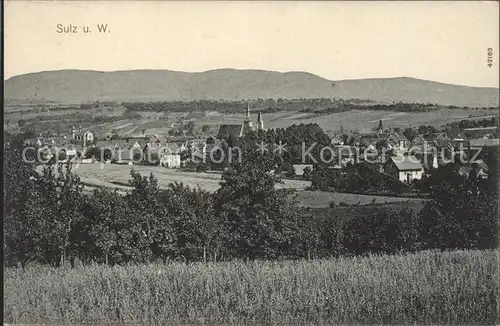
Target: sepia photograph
{"points": [[251, 162]]}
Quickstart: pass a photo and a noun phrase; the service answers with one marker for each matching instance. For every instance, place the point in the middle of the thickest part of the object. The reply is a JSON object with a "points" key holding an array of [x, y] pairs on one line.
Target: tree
{"points": [[380, 126], [62, 191], [422, 129], [92, 152], [409, 133], [107, 154], [147, 218], [21, 232], [190, 127], [383, 231], [259, 221], [61, 155], [307, 173], [109, 225], [462, 212], [205, 128]]}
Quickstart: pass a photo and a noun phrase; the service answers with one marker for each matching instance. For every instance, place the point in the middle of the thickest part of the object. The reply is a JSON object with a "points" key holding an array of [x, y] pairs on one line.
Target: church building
{"points": [[240, 130]]}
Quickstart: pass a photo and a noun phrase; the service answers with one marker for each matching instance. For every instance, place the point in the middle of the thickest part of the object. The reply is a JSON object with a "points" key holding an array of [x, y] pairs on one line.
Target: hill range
{"points": [[76, 86]]}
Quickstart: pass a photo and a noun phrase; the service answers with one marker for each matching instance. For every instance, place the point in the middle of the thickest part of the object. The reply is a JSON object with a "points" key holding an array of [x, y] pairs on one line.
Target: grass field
{"points": [[459, 287], [346, 213], [319, 199], [117, 176]]}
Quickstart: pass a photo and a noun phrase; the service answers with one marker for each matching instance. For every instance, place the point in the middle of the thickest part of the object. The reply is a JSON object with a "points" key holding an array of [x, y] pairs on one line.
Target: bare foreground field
{"points": [[459, 287]]}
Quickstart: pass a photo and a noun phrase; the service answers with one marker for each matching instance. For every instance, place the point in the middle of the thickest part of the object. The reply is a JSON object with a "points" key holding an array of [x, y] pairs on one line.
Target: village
{"points": [[386, 150]]}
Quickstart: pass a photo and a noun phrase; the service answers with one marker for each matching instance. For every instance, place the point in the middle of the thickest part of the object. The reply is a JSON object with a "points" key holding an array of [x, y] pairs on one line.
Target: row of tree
{"points": [[48, 219]]}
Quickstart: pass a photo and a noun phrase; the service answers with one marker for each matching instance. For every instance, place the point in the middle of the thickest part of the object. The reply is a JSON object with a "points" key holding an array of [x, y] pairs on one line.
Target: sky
{"points": [[440, 41]]}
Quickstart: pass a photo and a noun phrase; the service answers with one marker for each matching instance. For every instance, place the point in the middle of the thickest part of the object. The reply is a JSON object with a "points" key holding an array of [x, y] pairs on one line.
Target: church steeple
{"points": [[247, 123], [260, 122]]}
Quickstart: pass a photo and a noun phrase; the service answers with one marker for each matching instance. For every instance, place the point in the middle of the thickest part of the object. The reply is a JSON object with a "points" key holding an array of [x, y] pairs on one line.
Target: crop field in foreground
{"points": [[429, 287]]}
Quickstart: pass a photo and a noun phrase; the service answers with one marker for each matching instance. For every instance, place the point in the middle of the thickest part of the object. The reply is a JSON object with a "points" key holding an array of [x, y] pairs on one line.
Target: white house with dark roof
{"points": [[404, 168], [85, 138]]}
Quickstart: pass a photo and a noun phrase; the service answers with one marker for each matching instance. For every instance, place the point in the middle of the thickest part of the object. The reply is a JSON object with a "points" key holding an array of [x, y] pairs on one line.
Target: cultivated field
{"points": [[354, 120], [459, 287], [365, 120]]}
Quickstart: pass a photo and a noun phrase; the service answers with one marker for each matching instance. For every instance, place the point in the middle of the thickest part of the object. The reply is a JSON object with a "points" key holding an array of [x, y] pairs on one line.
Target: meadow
{"points": [[117, 176], [320, 199], [430, 287]]}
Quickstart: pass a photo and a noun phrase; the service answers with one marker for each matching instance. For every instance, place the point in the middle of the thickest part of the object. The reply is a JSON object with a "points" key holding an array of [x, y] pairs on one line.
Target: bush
{"points": [[384, 232]]}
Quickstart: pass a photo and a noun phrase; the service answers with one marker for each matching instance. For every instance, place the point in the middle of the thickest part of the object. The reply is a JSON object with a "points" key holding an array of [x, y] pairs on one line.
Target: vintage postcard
{"points": [[251, 163]]}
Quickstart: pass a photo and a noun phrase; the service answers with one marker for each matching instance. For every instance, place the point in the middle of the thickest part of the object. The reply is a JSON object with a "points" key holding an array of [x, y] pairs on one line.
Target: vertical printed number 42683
{"points": [[490, 57]]}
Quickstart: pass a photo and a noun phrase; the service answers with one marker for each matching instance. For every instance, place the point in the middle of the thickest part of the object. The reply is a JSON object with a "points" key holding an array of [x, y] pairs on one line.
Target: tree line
{"points": [[308, 105], [49, 219]]}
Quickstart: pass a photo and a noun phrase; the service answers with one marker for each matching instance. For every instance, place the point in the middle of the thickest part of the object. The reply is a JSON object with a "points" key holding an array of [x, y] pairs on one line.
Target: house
{"points": [[88, 160], [114, 143], [370, 141], [338, 139], [299, 168], [175, 147], [478, 168], [449, 149], [482, 132], [139, 143], [346, 154], [233, 130], [157, 139], [166, 155], [127, 156], [423, 147], [484, 142], [404, 168], [74, 151], [170, 160], [398, 142], [85, 138], [153, 152]]}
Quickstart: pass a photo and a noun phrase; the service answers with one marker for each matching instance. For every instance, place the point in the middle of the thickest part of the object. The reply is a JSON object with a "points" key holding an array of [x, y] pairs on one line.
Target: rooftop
{"points": [[484, 142], [226, 130], [407, 163]]}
